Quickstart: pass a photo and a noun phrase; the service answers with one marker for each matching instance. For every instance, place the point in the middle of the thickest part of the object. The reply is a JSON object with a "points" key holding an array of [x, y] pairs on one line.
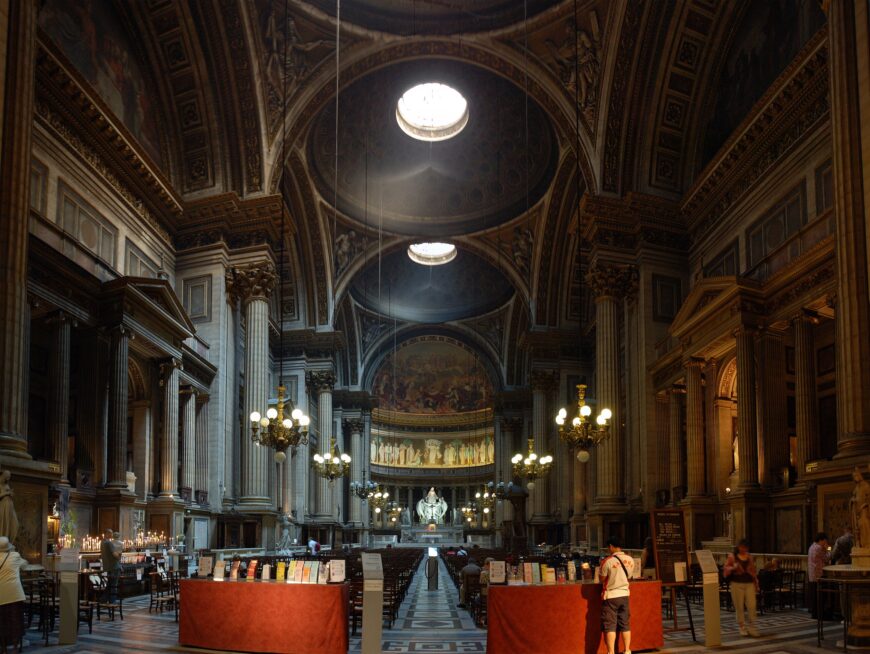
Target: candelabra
{"points": [[583, 434], [486, 499], [332, 464], [277, 431], [394, 512], [531, 466]]}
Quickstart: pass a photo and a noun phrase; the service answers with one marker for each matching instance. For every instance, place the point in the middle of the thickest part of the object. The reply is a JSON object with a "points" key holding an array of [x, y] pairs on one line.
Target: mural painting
{"points": [[432, 377], [768, 39], [90, 35], [432, 452]]}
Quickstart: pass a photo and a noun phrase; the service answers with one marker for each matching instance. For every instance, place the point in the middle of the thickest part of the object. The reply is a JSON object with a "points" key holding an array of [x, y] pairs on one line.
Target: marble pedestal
{"points": [[856, 578]]}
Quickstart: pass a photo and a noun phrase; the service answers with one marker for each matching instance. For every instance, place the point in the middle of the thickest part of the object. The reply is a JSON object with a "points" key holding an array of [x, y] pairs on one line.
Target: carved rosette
{"points": [[544, 380], [254, 281], [612, 281], [320, 380]]}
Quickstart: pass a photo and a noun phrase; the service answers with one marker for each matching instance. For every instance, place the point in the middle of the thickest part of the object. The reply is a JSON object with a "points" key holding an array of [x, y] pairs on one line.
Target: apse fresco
{"points": [[442, 452], [90, 35], [432, 375]]}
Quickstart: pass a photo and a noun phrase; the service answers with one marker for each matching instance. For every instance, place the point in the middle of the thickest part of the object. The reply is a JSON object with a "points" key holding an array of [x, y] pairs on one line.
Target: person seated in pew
{"points": [[470, 571]]}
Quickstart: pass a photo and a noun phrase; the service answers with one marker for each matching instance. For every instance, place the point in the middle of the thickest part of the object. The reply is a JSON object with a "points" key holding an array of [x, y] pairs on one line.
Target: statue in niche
{"points": [[432, 508], [285, 541], [490, 450], [859, 507], [374, 451], [8, 517]]}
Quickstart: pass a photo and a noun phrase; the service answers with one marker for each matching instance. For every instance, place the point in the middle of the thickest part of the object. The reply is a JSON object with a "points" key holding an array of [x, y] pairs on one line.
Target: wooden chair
{"points": [[161, 595]]}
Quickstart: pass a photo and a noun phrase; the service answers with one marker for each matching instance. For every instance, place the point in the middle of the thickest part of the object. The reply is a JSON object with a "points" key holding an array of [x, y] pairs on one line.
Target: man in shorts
{"points": [[616, 570]]}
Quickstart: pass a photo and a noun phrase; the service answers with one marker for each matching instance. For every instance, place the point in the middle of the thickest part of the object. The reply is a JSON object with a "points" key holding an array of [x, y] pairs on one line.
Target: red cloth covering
{"points": [[257, 616], [566, 619]]}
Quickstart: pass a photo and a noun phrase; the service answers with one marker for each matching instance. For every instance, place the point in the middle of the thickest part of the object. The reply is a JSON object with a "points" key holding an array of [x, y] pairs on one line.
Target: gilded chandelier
{"points": [[583, 434], [332, 464], [486, 499], [371, 492], [277, 431], [531, 466]]}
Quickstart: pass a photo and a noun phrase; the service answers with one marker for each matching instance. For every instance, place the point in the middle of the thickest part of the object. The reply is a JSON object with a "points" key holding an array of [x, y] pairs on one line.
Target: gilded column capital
{"points": [[805, 315], [253, 281], [167, 367], [354, 425], [694, 362], [613, 281], [544, 380], [61, 317], [320, 380]]}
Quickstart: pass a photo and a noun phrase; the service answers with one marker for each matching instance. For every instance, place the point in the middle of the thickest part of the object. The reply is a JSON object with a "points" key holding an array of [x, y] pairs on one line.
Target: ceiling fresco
{"points": [[470, 182], [434, 16], [467, 286]]}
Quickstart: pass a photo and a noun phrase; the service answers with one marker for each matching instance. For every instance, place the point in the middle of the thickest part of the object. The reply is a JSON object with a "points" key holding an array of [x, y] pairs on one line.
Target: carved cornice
{"points": [[632, 222], [226, 218], [54, 121], [254, 281], [607, 280], [320, 380], [795, 105], [88, 126]]}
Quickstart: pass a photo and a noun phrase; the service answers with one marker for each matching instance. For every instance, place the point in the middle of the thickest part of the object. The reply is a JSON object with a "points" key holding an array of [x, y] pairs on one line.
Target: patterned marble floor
{"points": [[430, 622]]}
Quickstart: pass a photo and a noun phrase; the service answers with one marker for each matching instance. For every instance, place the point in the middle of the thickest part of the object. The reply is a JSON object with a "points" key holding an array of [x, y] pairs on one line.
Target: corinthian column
{"points": [[18, 25], [201, 478], [169, 443], [747, 433], [610, 284], [355, 428], [510, 430], [58, 416], [806, 402], [252, 284], [543, 383], [695, 428], [117, 472], [848, 39], [322, 382], [675, 445], [659, 471], [188, 443]]}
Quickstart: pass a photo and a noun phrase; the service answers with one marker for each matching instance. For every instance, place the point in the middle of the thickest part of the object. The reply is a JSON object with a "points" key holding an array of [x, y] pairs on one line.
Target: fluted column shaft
{"points": [[357, 455], [120, 348], [711, 374], [188, 442], [169, 442], [747, 432], [323, 381], [806, 402], [255, 459], [850, 105], [201, 477], [19, 29], [772, 407], [58, 416], [695, 429], [543, 381], [510, 445], [675, 438], [663, 449]]}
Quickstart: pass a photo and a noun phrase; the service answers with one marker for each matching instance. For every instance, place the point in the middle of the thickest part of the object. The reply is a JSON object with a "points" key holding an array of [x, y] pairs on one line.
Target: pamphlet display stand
{"points": [[712, 623], [672, 559], [373, 603]]}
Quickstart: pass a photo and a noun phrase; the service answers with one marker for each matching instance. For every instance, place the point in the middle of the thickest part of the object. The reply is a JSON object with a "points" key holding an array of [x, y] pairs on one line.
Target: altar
{"points": [[441, 536]]}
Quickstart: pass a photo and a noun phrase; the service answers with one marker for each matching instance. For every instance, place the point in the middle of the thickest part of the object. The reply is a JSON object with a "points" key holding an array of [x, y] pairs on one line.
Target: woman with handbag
{"points": [[743, 582]]}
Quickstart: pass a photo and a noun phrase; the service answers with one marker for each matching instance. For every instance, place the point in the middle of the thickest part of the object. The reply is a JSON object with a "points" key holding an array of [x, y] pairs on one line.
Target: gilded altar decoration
{"points": [[432, 508]]}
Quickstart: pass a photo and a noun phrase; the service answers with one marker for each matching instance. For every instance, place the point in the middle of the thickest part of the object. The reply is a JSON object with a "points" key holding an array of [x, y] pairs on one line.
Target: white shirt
{"points": [[616, 582], [10, 580]]}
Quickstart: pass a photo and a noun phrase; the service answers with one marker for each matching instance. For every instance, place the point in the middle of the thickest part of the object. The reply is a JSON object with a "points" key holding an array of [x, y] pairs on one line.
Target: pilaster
{"points": [[58, 416], [806, 401]]}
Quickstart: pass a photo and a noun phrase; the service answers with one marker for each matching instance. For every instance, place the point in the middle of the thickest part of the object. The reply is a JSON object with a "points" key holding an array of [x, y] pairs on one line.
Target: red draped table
{"points": [[566, 618], [264, 616]]}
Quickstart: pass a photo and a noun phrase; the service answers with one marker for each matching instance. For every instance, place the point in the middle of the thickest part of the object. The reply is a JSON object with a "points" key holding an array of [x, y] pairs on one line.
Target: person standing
{"points": [[110, 556], [11, 596], [743, 577], [817, 558], [616, 570]]}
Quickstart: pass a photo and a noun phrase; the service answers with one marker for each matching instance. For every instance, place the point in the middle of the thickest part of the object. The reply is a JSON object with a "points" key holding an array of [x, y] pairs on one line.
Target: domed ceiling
{"points": [[470, 182], [433, 16], [467, 286]]}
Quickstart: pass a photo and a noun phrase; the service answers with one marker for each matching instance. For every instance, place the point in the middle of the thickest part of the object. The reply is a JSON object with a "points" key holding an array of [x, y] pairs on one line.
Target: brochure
{"points": [[497, 572], [336, 571]]}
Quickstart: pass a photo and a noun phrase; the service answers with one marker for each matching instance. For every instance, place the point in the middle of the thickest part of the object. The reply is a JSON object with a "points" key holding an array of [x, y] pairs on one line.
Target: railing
{"points": [[808, 237]]}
